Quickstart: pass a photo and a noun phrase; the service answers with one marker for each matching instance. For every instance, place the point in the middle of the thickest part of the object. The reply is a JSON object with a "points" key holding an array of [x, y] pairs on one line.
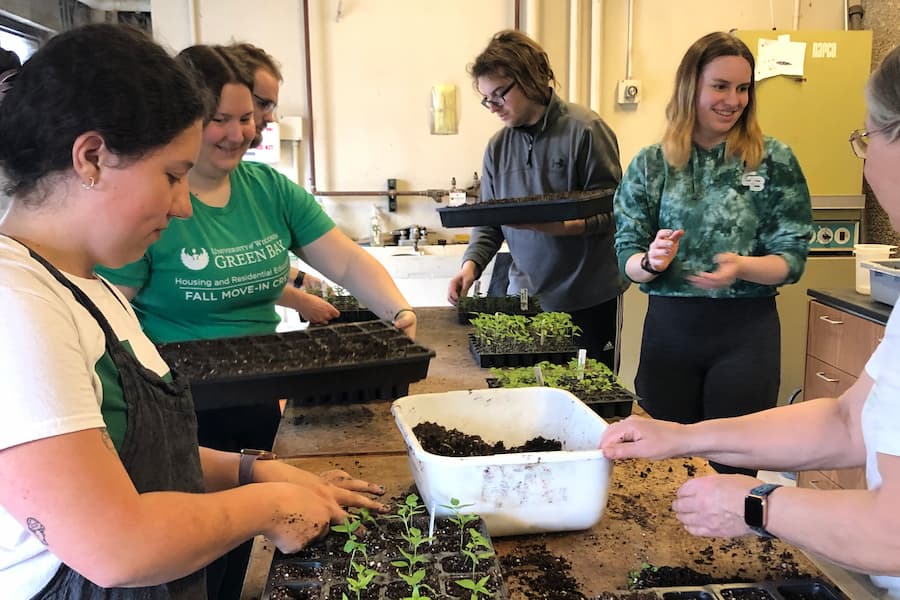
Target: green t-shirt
{"points": [[722, 208], [219, 273]]}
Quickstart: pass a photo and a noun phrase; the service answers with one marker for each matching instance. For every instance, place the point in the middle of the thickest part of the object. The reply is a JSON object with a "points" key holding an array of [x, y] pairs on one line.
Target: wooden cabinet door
{"points": [[815, 480], [840, 339], [822, 380]]}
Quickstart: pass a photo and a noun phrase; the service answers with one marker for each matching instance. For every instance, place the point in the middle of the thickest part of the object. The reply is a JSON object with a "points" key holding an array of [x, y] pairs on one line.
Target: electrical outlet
{"points": [[629, 91], [392, 195]]}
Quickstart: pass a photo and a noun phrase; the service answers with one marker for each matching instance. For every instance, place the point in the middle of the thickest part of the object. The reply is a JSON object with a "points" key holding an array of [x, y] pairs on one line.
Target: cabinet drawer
{"points": [[816, 480], [840, 339], [822, 380]]}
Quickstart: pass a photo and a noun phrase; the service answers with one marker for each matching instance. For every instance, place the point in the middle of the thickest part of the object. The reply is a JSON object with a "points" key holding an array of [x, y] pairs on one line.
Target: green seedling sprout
{"points": [[476, 587], [352, 545], [366, 517], [415, 539], [458, 518], [477, 549], [410, 508], [414, 581], [364, 576]]}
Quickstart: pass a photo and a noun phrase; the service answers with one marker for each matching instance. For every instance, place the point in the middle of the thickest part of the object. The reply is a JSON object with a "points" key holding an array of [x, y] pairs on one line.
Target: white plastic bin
{"points": [[514, 493], [885, 278], [865, 253]]}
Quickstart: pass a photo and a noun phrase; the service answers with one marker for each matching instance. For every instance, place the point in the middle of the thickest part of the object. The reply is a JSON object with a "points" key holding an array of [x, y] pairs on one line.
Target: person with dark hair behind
{"points": [[266, 83], [547, 145], [856, 529], [104, 491], [241, 207], [711, 221]]}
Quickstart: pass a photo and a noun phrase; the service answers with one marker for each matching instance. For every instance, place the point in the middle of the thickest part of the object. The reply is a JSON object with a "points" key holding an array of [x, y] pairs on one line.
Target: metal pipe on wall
{"points": [[574, 63], [796, 15], [628, 26], [596, 53], [309, 101], [532, 19]]}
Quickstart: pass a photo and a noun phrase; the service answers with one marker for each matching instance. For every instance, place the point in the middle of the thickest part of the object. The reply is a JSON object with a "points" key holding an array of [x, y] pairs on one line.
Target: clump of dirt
{"points": [[539, 575], [442, 441]]}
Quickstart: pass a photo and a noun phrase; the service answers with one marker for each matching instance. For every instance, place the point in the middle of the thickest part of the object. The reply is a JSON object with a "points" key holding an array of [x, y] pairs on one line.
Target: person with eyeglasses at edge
{"points": [[267, 80], [547, 145], [856, 529], [711, 222]]}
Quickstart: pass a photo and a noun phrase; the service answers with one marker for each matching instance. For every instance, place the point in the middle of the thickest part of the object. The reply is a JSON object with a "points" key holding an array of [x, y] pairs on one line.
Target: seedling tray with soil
{"points": [[540, 208], [468, 307], [334, 364], [790, 589], [598, 386], [516, 340], [381, 560], [352, 311]]}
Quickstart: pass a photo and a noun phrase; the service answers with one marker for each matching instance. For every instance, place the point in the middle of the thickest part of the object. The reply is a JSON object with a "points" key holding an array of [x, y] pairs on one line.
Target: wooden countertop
{"points": [[638, 525], [854, 302]]}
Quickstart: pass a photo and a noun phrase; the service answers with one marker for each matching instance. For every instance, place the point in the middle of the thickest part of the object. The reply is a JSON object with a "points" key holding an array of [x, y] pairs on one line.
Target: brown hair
{"points": [[513, 54], [254, 57], [213, 67], [745, 139]]}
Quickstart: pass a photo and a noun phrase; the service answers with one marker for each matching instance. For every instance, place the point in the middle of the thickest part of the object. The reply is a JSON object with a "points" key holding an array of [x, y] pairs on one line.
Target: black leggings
{"points": [[601, 326], [232, 429], [705, 358]]}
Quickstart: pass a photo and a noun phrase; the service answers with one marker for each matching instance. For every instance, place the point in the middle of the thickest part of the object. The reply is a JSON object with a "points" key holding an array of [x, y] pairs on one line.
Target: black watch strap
{"points": [[756, 509], [298, 280], [645, 265], [248, 461]]}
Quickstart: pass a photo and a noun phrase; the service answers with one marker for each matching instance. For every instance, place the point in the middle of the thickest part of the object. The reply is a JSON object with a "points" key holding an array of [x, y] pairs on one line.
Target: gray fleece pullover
{"points": [[573, 150]]}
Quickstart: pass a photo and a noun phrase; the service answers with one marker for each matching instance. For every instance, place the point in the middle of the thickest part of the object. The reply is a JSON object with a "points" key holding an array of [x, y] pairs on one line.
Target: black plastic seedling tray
{"points": [[319, 571], [541, 208], [789, 589], [486, 359], [615, 403], [352, 362], [469, 306]]}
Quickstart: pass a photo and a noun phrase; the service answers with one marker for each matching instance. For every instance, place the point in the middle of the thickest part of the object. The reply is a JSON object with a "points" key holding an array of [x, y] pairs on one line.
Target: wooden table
{"points": [[638, 525]]}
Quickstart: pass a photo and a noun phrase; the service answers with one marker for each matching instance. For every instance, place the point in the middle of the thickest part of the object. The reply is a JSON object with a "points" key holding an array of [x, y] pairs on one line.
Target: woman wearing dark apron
{"points": [[104, 492]]}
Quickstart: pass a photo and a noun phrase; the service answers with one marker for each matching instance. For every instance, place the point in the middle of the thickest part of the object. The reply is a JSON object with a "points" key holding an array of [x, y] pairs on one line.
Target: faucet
{"points": [[414, 237]]}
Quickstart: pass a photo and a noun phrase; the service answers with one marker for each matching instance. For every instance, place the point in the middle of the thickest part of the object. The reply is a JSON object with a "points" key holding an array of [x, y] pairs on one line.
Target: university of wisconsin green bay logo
{"points": [[193, 260]]}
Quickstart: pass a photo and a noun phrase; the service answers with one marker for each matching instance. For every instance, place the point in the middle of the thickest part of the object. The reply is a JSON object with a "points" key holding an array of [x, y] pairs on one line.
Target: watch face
{"points": [[753, 511]]}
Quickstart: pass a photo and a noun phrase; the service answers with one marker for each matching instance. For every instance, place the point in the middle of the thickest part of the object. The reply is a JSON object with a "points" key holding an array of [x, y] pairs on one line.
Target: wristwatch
{"points": [[298, 280], [755, 509], [249, 456], [645, 265]]}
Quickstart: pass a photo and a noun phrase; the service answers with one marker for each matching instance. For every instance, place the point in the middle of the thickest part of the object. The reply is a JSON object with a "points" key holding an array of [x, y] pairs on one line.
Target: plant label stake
{"points": [[324, 286], [477, 290], [582, 358], [523, 299], [539, 375], [431, 520]]}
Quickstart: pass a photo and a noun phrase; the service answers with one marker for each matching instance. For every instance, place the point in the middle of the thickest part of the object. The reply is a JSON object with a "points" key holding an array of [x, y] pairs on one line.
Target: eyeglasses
{"points": [[859, 140], [499, 99], [264, 104]]}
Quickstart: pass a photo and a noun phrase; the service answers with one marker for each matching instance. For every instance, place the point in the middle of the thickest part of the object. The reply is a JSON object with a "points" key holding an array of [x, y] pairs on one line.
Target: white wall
{"points": [[374, 66]]}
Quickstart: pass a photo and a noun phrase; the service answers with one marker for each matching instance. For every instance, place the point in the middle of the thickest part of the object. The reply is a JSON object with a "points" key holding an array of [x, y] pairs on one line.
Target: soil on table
{"points": [[531, 570], [442, 441]]}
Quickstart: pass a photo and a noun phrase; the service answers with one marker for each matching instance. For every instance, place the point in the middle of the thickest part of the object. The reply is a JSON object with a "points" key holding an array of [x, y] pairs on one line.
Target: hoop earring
{"points": [[88, 186]]}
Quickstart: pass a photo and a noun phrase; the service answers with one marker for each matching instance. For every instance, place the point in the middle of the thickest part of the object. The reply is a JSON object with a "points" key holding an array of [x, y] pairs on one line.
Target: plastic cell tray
{"points": [[485, 359], [541, 208], [788, 589], [318, 571], [469, 306], [619, 405], [352, 362]]}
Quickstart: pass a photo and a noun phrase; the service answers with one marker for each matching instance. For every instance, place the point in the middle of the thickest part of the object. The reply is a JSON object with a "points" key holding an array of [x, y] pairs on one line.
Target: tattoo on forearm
{"points": [[37, 529], [107, 440]]}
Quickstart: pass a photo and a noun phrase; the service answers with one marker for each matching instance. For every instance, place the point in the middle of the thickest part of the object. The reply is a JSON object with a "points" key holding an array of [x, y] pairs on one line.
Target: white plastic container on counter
{"points": [[885, 279], [514, 493], [865, 253]]}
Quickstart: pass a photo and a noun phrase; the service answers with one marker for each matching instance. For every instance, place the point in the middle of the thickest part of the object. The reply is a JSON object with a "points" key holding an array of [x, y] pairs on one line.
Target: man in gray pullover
{"points": [[547, 145]]}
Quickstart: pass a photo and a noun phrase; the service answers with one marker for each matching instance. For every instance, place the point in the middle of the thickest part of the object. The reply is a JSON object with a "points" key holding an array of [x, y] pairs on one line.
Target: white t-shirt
{"points": [[881, 418], [49, 349]]}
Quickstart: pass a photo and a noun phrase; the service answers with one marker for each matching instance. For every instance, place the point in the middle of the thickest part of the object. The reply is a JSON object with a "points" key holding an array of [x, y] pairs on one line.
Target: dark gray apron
{"points": [[159, 453]]}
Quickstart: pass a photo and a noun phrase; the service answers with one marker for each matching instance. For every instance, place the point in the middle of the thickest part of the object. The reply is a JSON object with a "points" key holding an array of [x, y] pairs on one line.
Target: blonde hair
{"points": [[745, 140]]}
